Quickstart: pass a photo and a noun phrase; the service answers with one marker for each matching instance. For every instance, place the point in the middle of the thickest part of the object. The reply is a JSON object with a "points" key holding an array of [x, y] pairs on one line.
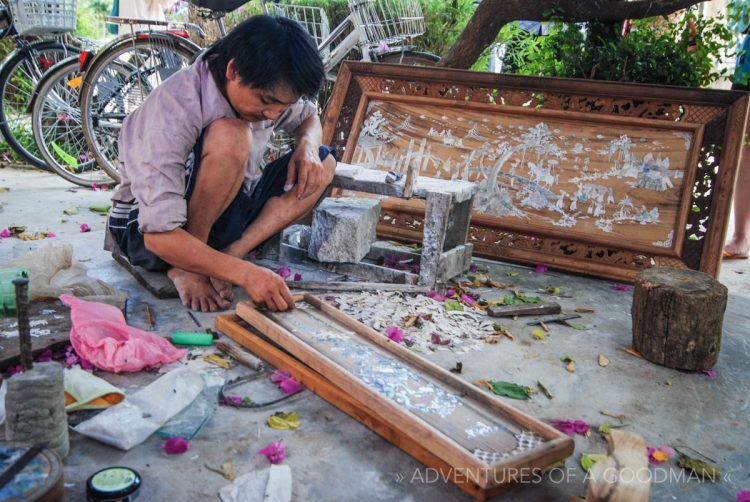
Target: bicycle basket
{"points": [[313, 19], [387, 21], [40, 17]]}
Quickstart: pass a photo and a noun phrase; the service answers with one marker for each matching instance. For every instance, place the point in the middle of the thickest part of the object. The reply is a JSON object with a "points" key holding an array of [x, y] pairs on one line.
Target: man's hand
{"points": [[266, 288], [305, 169]]}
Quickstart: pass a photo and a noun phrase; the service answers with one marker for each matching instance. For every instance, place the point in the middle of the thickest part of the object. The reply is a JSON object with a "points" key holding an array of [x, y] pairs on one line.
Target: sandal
{"points": [[728, 255]]}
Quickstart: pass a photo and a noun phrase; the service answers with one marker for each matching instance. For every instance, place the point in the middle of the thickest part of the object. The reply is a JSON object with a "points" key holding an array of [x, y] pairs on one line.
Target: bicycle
{"points": [[370, 26], [23, 68]]}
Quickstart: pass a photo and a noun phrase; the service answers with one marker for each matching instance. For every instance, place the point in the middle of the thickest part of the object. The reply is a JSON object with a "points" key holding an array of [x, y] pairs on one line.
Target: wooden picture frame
{"points": [[601, 178], [458, 428]]}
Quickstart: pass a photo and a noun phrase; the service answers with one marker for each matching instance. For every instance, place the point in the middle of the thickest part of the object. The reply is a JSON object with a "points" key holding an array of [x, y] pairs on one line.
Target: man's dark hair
{"points": [[269, 51]]}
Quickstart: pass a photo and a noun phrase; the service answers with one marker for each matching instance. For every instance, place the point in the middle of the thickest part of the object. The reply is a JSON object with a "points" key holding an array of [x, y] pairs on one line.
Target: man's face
{"points": [[254, 104]]}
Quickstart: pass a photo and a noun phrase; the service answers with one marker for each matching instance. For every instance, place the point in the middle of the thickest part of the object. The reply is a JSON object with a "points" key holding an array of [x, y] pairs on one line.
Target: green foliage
{"points": [[444, 22], [657, 50], [90, 19]]}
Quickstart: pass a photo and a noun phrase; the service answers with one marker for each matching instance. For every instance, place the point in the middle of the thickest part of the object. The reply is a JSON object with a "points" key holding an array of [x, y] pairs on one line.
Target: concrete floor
{"points": [[333, 457]]}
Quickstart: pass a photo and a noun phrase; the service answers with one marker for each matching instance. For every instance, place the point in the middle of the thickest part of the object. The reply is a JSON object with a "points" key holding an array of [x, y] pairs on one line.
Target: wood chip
{"points": [[632, 352], [571, 367], [603, 361], [584, 311]]}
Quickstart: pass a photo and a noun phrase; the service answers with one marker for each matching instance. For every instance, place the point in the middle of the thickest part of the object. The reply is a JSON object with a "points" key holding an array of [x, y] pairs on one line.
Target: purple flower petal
{"points": [[284, 272], [50, 235], [622, 287], [5, 233], [44, 357], [234, 400], [450, 293], [473, 267], [290, 386], [280, 375], [709, 373], [274, 452], [176, 446], [85, 228], [395, 333], [297, 277], [468, 300], [540, 269], [435, 296]]}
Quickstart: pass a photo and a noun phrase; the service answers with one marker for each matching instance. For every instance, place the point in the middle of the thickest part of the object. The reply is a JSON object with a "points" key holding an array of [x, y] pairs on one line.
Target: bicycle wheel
{"points": [[18, 79], [411, 58], [56, 123], [109, 94]]}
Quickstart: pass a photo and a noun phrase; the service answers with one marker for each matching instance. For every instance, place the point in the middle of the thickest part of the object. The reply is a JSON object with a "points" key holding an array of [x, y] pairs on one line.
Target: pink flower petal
{"points": [[743, 496], [290, 386], [473, 267], [622, 287], [50, 235], [274, 452], [435, 296], [395, 333], [234, 400], [85, 228], [450, 293], [279, 376], [709, 373], [540, 269], [297, 277], [669, 451], [5, 233], [176, 446], [284, 272]]}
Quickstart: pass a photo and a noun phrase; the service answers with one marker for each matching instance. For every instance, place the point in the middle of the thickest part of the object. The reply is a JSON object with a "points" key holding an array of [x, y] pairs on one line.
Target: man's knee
{"points": [[230, 139]]}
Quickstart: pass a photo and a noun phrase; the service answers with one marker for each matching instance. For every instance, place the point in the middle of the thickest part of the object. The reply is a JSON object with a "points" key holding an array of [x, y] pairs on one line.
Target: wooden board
{"points": [[594, 177], [492, 443], [50, 328]]}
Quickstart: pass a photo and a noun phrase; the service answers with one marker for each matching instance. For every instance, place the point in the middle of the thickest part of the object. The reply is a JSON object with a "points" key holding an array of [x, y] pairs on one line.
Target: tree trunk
{"points": [[677, 317], [492, 15]]}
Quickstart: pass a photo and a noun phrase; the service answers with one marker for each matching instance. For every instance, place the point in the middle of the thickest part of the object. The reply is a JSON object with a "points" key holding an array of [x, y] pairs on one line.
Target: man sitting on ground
{"points": [[191, 201]]}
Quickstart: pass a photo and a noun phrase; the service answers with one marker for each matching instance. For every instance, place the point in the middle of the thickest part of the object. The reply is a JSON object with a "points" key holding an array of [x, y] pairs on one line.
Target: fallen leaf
{"points": [[436, 340], [218, 361], [531, 355], [520, 299], [703, 469], [584, 311], [588, 460], [228, 470], [552, 290], [544, 326], [579, 327], [70, 211], [539, 334], [410, 320], [453, 305], [619, 417], [605, 428], [603, 361], [571, 367], [104, 209], [632, 352], [492, 339], [668, 382], [4, 189], [284, 421], [505, 389], [544, 390], [494, 284], [511, 274]]}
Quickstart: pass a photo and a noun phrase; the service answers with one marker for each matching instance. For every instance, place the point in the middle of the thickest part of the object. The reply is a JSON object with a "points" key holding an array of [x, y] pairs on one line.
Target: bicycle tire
{"points": [[410, 58], [106, 98], [18, 79], [56, 123]]}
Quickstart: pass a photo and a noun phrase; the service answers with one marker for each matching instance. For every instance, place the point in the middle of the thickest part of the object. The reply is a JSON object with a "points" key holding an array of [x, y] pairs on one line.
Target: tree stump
{"points": [[677, 317]]}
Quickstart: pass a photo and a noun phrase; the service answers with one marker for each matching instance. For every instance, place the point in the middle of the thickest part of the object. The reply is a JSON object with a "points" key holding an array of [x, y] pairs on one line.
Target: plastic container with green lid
{"points": [[113, 484], [8, 290]]}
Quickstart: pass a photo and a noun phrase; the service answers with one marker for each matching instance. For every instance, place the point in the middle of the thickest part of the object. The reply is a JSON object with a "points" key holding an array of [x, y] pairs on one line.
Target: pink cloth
{"points": [[100, 334]]}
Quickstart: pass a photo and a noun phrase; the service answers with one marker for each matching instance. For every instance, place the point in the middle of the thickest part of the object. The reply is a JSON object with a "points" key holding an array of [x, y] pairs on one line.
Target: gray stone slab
{"points": [[343, 229], [157, 283], [454, 262]]}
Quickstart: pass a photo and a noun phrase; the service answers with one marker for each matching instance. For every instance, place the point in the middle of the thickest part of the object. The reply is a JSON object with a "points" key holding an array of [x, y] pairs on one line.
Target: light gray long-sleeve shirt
{"points": [[157, 138]]}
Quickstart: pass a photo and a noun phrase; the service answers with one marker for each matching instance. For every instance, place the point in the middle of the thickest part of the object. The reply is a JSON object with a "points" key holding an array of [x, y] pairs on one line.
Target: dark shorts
{"points": [[123, 219]]}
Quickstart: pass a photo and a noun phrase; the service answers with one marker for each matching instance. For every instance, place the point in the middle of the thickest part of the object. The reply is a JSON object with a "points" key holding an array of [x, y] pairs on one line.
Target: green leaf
{"points": [[70, 211], [579, 327], [544, 389], [511, 274], [100, 209], [605, 428], [520, 299], [284, 421], [567, 359], [588, 460], [453, 305], [539, 334], [508, 389], [703, 469], [65, 156]]}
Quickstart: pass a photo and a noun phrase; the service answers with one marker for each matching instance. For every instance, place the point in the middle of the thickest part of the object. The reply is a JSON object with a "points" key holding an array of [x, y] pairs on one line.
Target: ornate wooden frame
{"points": [[714, 118]]}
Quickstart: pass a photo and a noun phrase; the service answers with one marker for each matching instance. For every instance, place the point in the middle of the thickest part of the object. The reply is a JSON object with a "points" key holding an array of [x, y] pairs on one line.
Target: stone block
{"points": [[343, 229]]}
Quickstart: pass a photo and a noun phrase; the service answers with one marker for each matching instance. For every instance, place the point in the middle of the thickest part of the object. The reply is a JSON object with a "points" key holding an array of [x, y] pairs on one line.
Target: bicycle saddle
{"points": [[219, 5]]}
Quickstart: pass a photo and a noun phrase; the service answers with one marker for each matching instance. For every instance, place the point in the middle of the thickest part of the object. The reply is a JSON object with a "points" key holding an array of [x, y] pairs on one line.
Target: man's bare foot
{"points": [[737, 249], [196, 291], [224, 288]]}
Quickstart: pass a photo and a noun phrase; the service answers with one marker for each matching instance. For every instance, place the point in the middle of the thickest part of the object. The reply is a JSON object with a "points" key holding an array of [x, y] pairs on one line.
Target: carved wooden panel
{"points": [[595, 177]]}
